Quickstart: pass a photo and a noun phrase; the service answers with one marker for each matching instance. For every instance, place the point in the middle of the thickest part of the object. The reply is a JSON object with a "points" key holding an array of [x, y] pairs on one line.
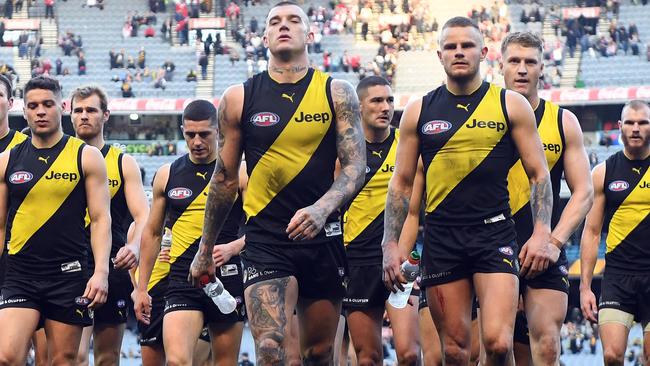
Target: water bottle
{"points": [[221, 297], [410, 270], [166, 241]]}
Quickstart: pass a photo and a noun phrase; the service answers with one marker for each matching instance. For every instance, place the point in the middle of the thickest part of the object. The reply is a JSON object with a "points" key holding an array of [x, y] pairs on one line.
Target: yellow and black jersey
{"points": [[186, 194], [157, 286], [363, 217], [467, 150], [11, 139], [551, 131], [627, 214], [46, 209], [119, 208], [290, 145]]}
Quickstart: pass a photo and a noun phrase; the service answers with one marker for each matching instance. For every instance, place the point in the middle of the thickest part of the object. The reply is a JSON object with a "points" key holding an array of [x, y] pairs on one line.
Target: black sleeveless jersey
{"points": [[289, 141], [627, 214], [467, 150], [46, 209], [363, 217], [551, 132], [186, 194], [11, 139]]}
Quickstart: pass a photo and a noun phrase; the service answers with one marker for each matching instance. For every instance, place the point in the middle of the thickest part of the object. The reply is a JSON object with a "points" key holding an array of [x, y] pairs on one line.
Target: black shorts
{"points": [[521, 328], [365, 288], [556, 277], [151, 335], [55, 299], [320, 269], [628, 293], [182, 296], [118, 304], [3, 266], [451, 253], [424, 304]]}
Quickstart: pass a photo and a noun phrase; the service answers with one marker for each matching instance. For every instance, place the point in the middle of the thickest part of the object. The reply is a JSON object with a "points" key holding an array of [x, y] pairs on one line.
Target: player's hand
{"points": [[306, 223], [588, 305], [221, 254], [142, 306], [163, 255], [202, 270], [392, 262], [126, 257], [96, 289], [535, 257]]}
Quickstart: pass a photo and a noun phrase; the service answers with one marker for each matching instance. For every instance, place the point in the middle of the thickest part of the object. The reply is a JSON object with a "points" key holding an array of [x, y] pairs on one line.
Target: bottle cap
{"points": [[414, 257], [204, 280]]}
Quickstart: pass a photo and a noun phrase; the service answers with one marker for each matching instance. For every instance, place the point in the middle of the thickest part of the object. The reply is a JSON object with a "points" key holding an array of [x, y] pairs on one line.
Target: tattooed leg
{"points": [[270, 304]]}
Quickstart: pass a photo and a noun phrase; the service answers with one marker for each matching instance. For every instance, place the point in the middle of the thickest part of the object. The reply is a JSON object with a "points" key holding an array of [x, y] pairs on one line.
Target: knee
{"points": [[270, 352], [454, 354], [547, 348], [369, 359], [64, 359], [178, 360], [497, 347], [613, 356], [318, 355], [8, 359], [108, 358], [408, 356]]}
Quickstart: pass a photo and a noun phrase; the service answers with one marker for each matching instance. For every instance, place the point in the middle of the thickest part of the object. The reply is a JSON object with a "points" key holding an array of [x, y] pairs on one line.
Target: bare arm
{"points": [[399, 194], [98, 200], [536, 254], [221, 254], [224, 182], [412, 223], [590, 241], [4, 198], [150, 243], [351, 150], [576, 171], [136, 201]]}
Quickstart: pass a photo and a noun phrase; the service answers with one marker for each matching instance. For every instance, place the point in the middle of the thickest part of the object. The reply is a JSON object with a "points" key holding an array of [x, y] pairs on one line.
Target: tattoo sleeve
{"points": [[268, 320], [351, 147], [221, 195], [541, 201], [397, 207]]}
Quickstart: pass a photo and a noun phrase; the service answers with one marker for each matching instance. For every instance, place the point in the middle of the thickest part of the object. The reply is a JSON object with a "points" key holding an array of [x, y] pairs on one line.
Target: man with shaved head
{"points": [[468, 133]]}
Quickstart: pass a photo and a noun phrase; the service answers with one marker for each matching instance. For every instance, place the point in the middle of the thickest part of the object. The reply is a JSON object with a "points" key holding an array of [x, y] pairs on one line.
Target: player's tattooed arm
{"points": [[541, 201], [397, 207], [268, 320], [351, 150]]}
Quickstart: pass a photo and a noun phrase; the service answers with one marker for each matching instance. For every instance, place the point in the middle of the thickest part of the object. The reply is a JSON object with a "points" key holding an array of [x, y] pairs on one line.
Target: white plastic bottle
{"points": [[411, 270], [221, 297], [166, 241]]}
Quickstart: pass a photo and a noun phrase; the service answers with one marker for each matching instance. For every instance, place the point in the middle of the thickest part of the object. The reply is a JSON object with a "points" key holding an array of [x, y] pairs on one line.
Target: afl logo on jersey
{"points": [[435, 127], [21, 177], [618, 186], [179, 193], [265, 119]]}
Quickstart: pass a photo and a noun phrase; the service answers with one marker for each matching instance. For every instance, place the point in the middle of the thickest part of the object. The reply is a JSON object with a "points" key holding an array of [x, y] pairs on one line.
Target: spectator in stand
{"points": [[9, 9], [253, 25], [59, 66], [2, 34], [181, 11], [234, 55], [232, 12], [345, 61], [160, 81], [130, 63], [47, 66], [634, 44], [81, 64], [169, 68], [327, 60], [142, 58], [126, 30], [149, 32], [191, 76], [203, 62], [166, 29], [127, 90], [49, 9], [182, 30]]}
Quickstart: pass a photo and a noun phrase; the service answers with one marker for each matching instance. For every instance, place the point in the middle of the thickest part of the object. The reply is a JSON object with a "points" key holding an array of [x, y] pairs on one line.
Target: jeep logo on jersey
{"points": [[265, 119], [316, 117], [618, 186], [499, 126], [65, 176], [21, 177], [435, 127], [554, 148], [113, 182], [180, 193]]}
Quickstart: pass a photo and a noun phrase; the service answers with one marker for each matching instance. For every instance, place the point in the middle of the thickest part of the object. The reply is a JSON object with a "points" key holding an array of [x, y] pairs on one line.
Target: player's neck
{"points": [[97, 141], [533, 100], [376, 135], [636, 154], [46, 141], [4, 128], [288, 72], [457, 87]]}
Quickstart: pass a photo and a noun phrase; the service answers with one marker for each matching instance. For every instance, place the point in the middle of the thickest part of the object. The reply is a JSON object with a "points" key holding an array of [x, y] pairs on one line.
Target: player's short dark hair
{"points": [[200, 110], [525, 39], [87, 91], [635, 104], [4, 79], [285, 3], [460, 22], [369, 82], [27, 131], [43, 82], [289, 3]]}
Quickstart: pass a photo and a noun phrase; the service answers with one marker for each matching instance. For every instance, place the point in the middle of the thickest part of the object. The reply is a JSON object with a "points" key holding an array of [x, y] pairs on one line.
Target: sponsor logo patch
{"points": [[229, 270], [435, 127], [71, 267], [333, 229], [506, 250], [21, 177], [564, 270], [121, 303], [179, 193], [265, 119], [618, 186]]}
